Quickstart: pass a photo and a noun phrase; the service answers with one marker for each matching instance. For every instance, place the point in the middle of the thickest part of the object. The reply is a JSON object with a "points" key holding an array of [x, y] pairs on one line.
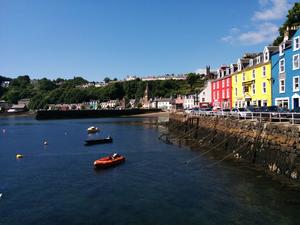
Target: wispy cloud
{"points": [[261, 29], [277, 11]]}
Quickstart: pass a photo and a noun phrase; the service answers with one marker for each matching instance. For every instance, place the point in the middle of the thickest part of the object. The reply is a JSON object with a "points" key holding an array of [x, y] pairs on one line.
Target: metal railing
{"points": [[291, 117]]}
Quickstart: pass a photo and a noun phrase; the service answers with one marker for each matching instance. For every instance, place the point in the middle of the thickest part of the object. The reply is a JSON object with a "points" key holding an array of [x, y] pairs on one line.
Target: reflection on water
{"points": [[56, 184]]}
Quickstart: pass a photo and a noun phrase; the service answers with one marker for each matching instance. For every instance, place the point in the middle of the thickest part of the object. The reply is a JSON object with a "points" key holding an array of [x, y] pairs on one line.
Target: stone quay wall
{"points": [[273, 146]]}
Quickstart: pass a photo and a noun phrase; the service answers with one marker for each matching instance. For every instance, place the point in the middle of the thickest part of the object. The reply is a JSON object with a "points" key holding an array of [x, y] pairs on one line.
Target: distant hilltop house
{"points": [[5, 84], [92, 84], [129, 78], [165, 77]]}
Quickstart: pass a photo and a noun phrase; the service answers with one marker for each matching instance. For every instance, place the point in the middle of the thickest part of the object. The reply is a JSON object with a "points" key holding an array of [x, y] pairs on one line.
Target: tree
{"points": [[106, 80], [46, 85], [192, 79], [293, 19], [115, 79]]}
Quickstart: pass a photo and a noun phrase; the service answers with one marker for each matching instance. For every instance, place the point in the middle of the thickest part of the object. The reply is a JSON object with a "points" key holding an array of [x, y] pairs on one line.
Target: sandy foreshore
{"points": [[157, 114]]}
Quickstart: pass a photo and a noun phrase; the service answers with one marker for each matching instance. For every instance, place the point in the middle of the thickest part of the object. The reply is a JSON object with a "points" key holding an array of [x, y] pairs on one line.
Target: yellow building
{"points": [[251, 83]]}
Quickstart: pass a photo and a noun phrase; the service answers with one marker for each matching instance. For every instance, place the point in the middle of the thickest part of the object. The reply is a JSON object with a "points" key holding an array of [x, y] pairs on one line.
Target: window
{"points": [[281, 85], [264, 87], [296, 43], [235, 91], [251, 62], [253, 89], [296, 83], [214, 85], [223, 83], [264, 71], [227, 93], [282, 103], [217, 84], [236, 79], [227, 82], [281, 48], [203, 99], [281, 66], [239, 67], [264, 103], [223, 93], [254, 103], [296, 62], [258, 60], [217, 95], [245, 89], [253, 74], [243, 76], [266, 56]]}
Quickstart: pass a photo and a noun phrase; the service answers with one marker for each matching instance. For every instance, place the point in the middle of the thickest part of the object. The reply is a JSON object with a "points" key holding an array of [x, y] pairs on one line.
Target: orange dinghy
{"points": [[109, 161]]}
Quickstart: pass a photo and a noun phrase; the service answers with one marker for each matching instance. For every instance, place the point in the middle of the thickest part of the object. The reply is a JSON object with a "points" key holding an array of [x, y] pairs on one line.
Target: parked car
{"points": [[241, 112], [223, 112], [273, 113]]}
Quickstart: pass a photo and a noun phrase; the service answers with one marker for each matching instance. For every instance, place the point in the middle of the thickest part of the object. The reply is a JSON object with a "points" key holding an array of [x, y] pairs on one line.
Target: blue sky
{"points": [[95, 39]]}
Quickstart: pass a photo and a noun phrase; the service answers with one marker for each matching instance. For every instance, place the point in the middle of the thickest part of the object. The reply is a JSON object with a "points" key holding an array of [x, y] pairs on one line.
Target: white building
{"points": [[108, 104], [204, 96], [164, 103], [189, 101]]}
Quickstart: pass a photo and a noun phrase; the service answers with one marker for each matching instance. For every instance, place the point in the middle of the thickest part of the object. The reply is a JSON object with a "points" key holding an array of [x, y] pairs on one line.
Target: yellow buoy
{"points": [[19, 156]]}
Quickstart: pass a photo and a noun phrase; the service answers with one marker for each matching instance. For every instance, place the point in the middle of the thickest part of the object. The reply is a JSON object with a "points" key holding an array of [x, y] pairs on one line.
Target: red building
{"points": [[221, 89]]}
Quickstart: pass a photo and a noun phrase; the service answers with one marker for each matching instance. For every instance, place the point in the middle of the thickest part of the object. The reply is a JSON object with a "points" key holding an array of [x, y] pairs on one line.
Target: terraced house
{"points": [[252, 83], [286, 71], [221, 89]]}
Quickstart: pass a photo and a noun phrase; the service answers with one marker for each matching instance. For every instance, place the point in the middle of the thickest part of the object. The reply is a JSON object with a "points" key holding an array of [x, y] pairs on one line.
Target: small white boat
{"points": [[93, 129]]}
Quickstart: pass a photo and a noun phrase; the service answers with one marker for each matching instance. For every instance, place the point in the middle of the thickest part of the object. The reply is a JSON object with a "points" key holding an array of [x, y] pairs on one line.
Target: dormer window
{"points": [[227, 71], [258, 60], [251, 62], [281, 48], [266, 56], [296, 43], [239, 66]]}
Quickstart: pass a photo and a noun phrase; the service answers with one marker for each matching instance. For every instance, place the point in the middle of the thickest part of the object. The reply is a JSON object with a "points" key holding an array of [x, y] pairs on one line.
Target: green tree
{"points": [[46, 85], [292, 19], [192, 79], [106, 80]]}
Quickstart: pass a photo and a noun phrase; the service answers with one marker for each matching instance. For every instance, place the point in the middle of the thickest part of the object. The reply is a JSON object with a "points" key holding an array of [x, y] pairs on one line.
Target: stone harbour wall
{"points": [[273, 146]]}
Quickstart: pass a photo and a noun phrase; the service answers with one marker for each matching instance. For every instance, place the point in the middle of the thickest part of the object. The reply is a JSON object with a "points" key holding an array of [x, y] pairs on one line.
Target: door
{"points": [[296, 102]]}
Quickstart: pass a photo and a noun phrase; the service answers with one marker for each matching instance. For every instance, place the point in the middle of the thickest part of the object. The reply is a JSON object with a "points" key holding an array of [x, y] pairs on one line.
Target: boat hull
{"points": [[98, 141], [107, 162]]}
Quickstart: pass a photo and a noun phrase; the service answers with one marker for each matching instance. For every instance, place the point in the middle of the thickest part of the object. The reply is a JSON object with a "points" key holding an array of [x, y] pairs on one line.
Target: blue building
{"points": [[286, 72]]}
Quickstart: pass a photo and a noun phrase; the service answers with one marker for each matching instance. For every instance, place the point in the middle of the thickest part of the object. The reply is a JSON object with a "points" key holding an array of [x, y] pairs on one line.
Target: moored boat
{"points": [[19, 156], [98, 141], [109, 161], [92, 129]]}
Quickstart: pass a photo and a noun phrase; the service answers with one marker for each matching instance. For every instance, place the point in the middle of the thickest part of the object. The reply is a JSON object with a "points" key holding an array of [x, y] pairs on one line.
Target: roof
{"points": [[18, 106]]}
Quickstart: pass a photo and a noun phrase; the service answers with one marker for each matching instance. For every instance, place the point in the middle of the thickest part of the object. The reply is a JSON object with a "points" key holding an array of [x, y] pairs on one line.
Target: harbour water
{"points": [[57, 185]]}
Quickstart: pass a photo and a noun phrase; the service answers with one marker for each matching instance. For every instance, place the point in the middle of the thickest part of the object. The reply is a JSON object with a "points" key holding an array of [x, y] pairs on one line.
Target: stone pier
{"points": [[273, 146]]}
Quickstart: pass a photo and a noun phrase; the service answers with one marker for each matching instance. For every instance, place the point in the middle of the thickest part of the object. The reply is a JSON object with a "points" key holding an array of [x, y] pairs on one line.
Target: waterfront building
{"points": [[221, 89], [162, 103], [189, 102], [204, 97], [286, 71], [251, 83]]}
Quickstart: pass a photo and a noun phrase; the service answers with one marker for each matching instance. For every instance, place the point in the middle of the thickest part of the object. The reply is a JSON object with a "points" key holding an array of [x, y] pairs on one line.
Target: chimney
{"points": [[286, 34]]}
